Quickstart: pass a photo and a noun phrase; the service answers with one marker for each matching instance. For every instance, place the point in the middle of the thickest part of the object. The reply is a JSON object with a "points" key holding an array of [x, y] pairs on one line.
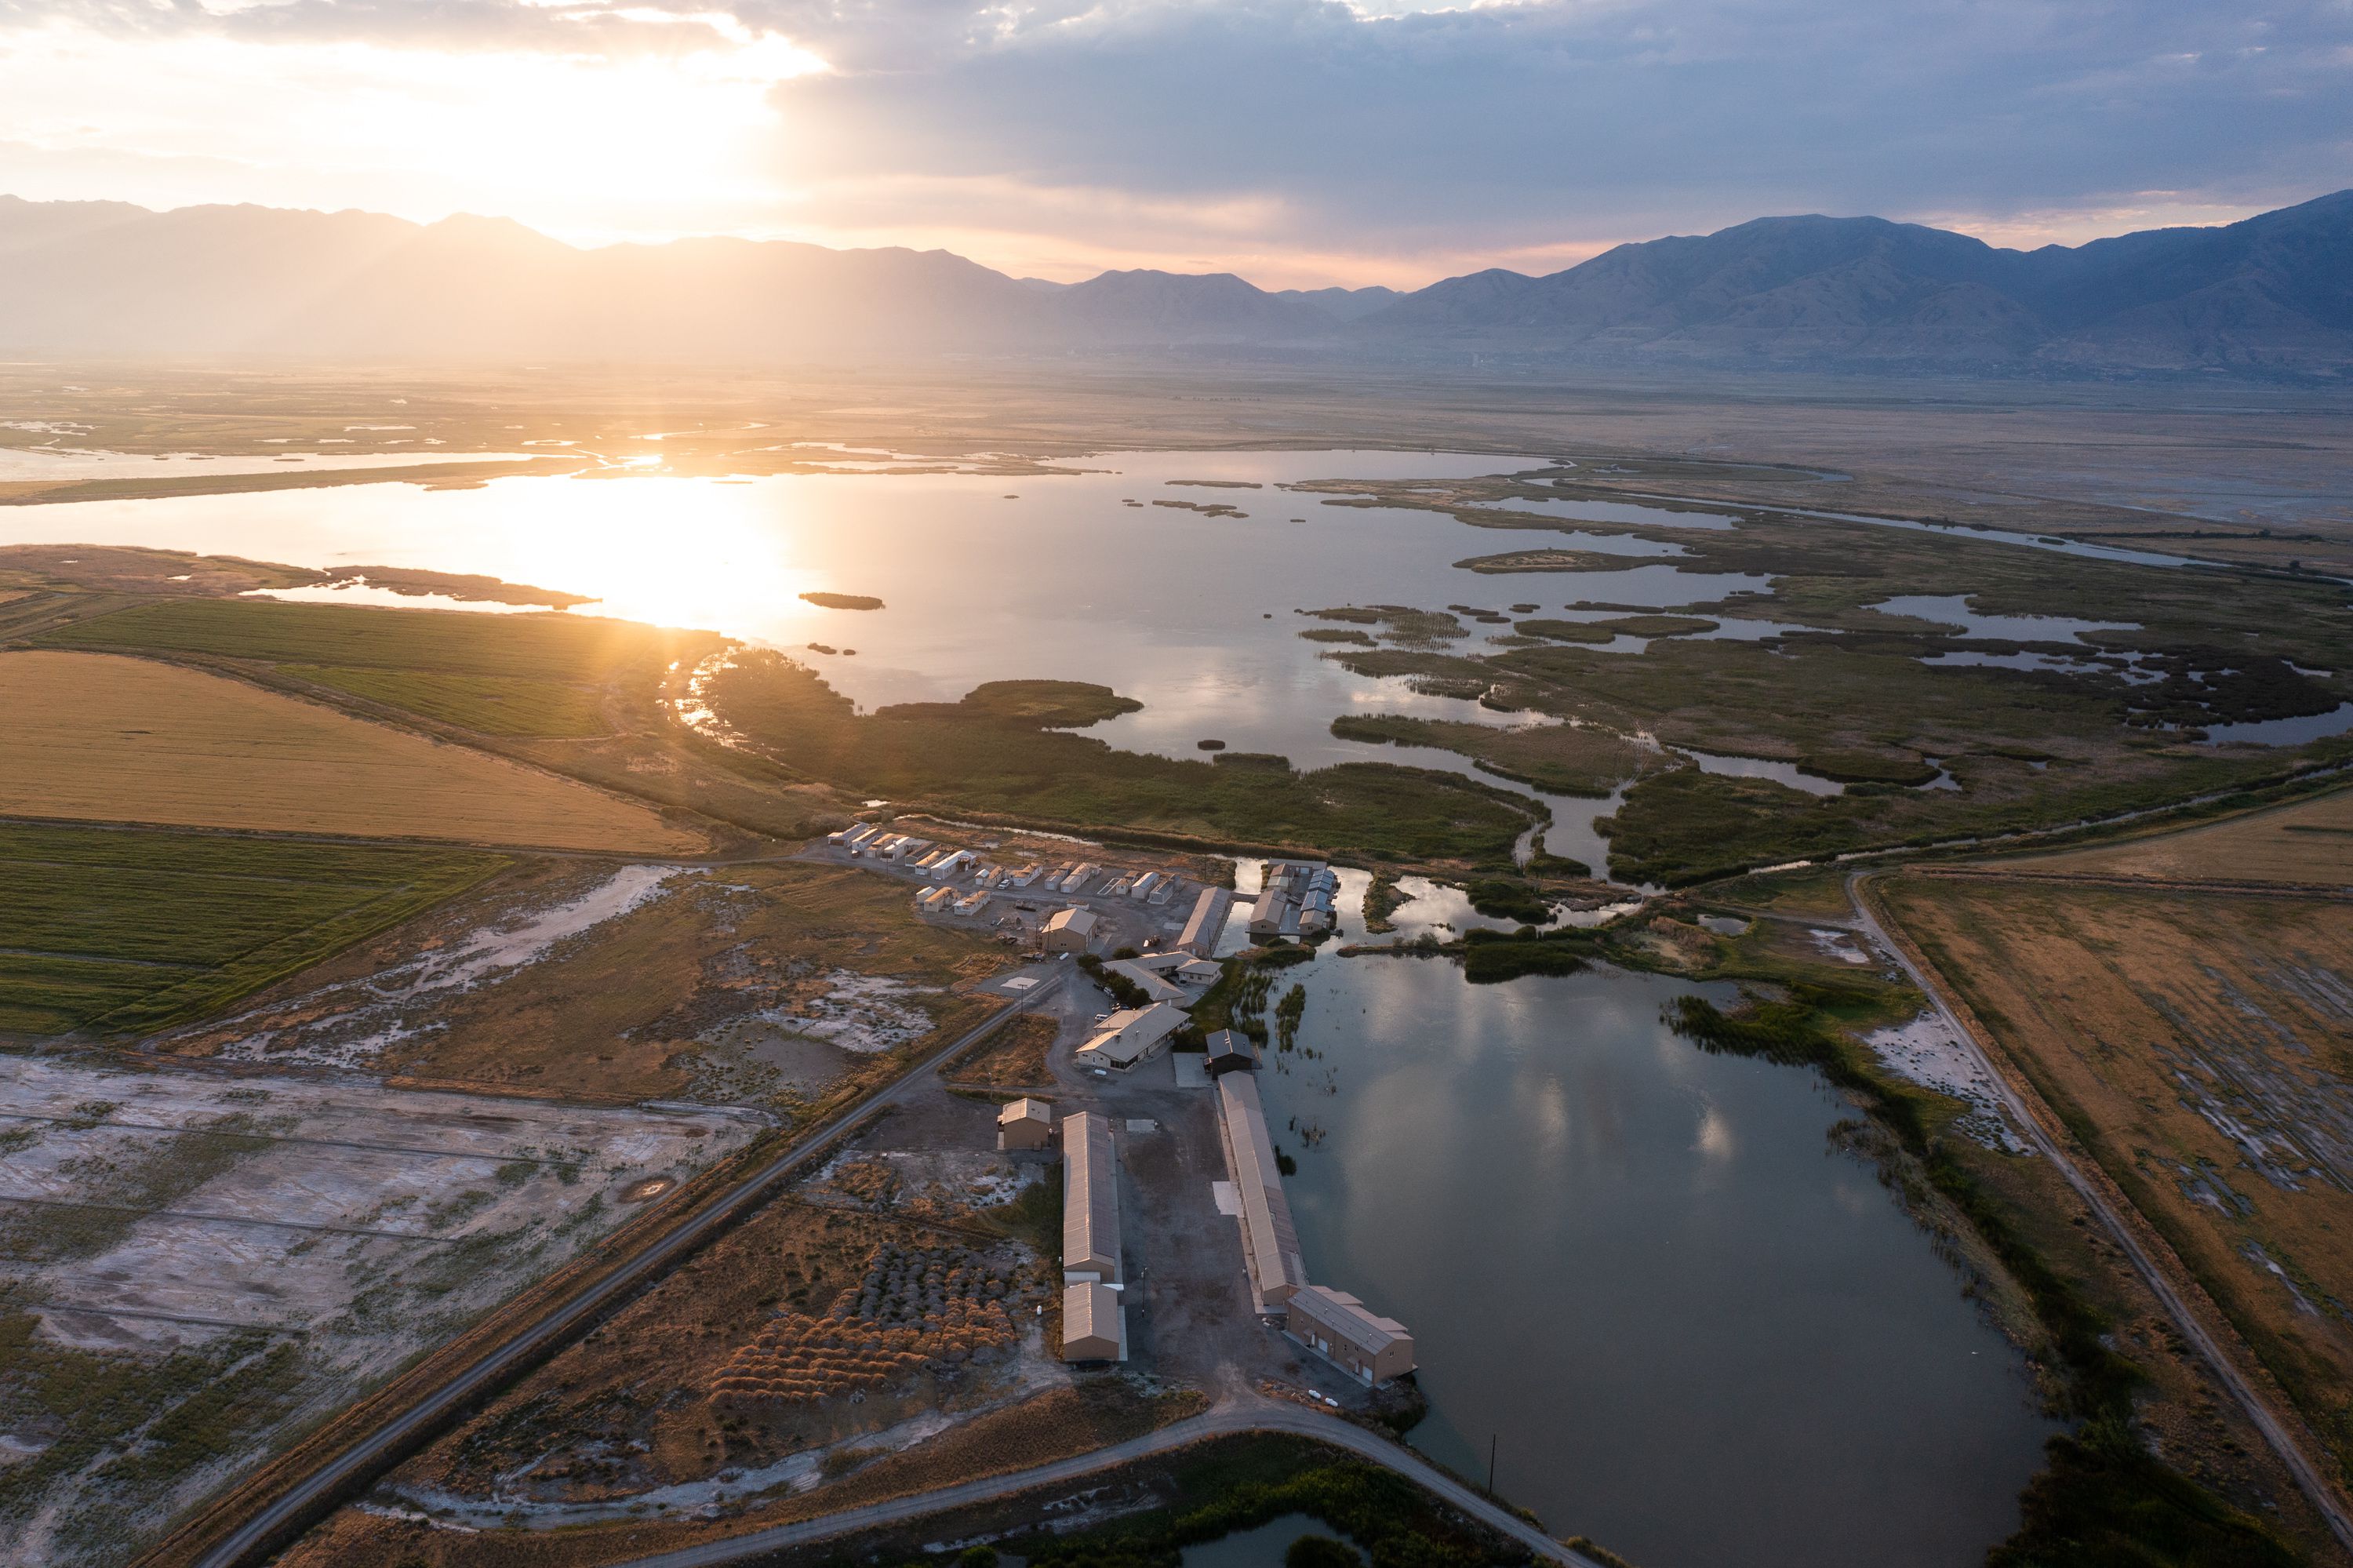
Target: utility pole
{"points": [[1491, 1439]]}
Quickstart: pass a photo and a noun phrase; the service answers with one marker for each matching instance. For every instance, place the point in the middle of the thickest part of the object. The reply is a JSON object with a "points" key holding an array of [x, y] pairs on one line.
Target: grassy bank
{"points": [[995, 757]]}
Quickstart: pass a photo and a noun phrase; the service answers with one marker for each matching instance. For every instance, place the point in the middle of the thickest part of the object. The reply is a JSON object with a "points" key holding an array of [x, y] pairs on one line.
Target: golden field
{"points": [[2197, 1042], [100, 737], [2304, 843]]}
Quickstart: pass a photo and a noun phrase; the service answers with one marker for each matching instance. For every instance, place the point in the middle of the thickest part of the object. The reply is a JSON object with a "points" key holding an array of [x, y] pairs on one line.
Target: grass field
{"points": [[121, 930], [2302, 843], [1012, 1057], [2199, 1044], [523, 647], [104, 739], [492, 705]]}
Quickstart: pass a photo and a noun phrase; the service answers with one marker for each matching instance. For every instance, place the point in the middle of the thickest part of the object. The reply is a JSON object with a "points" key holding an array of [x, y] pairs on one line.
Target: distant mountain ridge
{"points": [[2272, 295]]}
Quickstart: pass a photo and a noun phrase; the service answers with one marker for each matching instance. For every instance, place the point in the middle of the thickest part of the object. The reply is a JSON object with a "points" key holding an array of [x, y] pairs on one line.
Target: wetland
{"points": [[1710, 1278]]}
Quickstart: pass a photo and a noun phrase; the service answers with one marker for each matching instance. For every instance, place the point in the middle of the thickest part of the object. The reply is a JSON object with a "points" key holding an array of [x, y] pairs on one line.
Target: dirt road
{"points": [[1234, 1414]]}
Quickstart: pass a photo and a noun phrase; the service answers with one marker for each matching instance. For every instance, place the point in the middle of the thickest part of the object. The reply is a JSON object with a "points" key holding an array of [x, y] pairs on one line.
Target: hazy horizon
{"points": [[1538, 262], [1299, 144]]}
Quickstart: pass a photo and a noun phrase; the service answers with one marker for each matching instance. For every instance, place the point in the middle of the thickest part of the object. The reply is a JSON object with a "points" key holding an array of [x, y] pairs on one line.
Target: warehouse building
{"points": [[1069, 931], [1206, 924], [1338, 1327], [1095, 1324], [1131, 1036], [1270, 1242], [1025, 1123], [1089, 1201]]}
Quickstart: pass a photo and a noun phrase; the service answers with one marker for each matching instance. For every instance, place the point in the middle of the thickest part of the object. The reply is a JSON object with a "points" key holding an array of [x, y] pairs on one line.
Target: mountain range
{"points": [[2272, 295]]}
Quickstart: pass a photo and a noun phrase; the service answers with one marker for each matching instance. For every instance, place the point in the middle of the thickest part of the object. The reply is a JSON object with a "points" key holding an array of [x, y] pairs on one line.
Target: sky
{"points": [[1298, 142]]}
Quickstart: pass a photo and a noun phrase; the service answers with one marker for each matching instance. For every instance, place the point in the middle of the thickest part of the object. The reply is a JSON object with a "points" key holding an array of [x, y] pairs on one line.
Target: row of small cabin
{"points": [[1333, 1324], [941, 863]]}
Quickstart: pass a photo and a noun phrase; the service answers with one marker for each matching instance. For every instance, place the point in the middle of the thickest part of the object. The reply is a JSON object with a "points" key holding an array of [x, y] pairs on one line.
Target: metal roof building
{"points": [[1069, 930], [1089, 1201], [1154, 988], [1336, 1325], [1131, 1036], [1231, 1050], [1269, 1242], [1025, 1123], [1095, 1324], [1207, 923]]}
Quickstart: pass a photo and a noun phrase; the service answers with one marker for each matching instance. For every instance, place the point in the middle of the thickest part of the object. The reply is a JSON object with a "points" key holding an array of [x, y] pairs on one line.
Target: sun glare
{"points": [[562, 141]]}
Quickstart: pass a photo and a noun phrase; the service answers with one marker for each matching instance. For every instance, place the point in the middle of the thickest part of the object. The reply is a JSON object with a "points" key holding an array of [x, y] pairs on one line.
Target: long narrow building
{"points": [[1206, 924], [1089, 1201], [1270, 1242]]}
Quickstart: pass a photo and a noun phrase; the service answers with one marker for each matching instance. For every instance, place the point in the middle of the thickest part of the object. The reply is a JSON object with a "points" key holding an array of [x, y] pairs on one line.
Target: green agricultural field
{"points": [[559, 648], [121, 931], [490, 704]]}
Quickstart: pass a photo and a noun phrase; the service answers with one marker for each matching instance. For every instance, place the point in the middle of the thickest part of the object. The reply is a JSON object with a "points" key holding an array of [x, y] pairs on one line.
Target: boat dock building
{"points": [[1339, 1327]]}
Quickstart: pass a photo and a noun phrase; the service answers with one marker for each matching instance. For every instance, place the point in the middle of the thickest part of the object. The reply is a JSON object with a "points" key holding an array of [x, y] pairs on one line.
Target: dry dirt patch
{"points": [[792, 986], [101, 738], [196, 1264]]}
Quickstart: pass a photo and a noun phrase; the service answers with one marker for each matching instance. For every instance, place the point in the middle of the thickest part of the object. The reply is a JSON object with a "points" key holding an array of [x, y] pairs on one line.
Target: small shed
{"points": [[1231, 1051], [1025, 1123]]}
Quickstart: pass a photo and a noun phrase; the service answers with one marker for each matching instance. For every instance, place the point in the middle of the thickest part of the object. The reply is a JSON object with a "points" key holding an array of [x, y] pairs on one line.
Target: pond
{"points": [[1692, 1328]]}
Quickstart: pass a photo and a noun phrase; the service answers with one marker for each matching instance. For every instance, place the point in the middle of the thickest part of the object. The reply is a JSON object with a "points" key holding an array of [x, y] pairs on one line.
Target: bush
{"points": [[1321, 1552], [1508, 898]]}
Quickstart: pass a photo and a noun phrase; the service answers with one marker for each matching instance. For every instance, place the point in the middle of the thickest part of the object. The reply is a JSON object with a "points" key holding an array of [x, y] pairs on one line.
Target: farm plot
{"points": [[2199, 1044], [193, 1265], [105, 739], [122, 929]]}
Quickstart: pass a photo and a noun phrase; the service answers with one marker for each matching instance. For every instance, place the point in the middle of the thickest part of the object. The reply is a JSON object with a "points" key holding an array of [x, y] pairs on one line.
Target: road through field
{"points": [[1236, 1413], [253, 1539], [2268, 1421]]}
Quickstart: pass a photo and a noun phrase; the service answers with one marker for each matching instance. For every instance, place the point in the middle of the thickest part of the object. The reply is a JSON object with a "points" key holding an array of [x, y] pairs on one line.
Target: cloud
{"points": [[1307, 140]]}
